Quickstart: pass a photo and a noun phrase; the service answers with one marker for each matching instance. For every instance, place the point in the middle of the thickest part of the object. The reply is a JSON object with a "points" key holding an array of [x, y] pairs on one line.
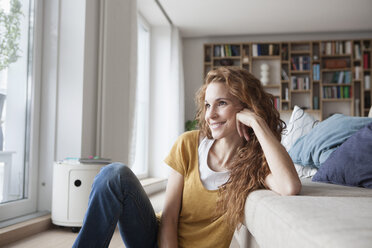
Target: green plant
{"points": [[191, 125], [10, 33]]}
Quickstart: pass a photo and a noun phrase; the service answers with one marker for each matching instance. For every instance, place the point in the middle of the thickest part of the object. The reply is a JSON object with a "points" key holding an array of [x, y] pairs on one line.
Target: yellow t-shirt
{"points": [[197, 224]]}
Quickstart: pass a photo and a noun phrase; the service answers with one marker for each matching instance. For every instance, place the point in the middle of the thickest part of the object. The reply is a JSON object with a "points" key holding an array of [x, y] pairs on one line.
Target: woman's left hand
{"points": [[245, 120]]}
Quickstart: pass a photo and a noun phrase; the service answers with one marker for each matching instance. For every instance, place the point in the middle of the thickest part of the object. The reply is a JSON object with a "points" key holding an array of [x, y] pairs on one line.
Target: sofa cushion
{"points": [[351, 163], [314, 148], [300, 123], [323, 215]]}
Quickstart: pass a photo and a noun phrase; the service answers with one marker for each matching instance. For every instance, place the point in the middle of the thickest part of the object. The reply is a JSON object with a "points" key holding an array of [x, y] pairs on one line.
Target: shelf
{"points": [[266, 57], [300, 52], [336, 84], [333, 70], [336, 99], [334, 55], [299, 72], [300, 91], [227, 57], [309, 55]]}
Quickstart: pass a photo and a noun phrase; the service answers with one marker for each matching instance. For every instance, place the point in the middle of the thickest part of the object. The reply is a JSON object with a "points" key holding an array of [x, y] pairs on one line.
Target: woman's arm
{"points": [[283, 178], [169, 219]]}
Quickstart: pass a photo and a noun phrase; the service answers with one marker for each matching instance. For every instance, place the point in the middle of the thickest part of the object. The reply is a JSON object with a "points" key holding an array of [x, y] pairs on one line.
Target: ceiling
{"points": [[197, 18]]}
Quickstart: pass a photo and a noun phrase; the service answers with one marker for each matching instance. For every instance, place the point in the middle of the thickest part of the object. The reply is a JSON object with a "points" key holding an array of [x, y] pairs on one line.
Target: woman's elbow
{"points": [[293, 188]]}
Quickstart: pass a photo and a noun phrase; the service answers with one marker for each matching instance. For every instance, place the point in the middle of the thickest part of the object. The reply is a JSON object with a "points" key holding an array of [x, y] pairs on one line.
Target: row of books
{"points": [[341, 77], [226, 50], [316, 72], [265, 50], [338, 92], [300, 83], [336, 47], [300, 63]]}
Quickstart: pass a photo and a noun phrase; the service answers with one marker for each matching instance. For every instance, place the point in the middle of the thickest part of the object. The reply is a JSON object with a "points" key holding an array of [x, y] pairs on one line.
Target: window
{"points": [[141, 126], [16, 88]]}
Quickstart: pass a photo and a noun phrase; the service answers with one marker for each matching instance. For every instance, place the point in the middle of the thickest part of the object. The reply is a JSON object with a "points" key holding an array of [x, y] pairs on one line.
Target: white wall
{"points": [[193, 57]]}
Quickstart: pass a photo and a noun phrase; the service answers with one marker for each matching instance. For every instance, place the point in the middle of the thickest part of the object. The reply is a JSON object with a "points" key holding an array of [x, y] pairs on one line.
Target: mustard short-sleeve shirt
{"points": [[198, 224]]}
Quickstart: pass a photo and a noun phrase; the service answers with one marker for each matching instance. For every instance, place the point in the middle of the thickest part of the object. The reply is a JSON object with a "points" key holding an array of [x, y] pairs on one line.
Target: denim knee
{"points": [[113, 171]]}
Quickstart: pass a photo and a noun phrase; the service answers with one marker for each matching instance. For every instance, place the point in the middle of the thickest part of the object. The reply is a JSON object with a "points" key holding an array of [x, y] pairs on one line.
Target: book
{"points": [[366, 61], [254, 50], [340, 77], [357, 54]]}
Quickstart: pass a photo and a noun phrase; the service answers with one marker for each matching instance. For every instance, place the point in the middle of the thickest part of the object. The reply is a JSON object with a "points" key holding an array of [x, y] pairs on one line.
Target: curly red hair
{"points": [[249, 167]]}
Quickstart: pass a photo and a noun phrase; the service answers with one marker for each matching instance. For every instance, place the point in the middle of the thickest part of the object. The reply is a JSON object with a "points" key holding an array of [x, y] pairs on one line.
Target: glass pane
{"points": [[15, 64]]}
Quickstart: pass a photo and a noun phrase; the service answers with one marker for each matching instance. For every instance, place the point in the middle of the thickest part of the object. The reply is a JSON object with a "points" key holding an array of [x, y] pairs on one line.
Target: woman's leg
{"points": [[117, 195]]}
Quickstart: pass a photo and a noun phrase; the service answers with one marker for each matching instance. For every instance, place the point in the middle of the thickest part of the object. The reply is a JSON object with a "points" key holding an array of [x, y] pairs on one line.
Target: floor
{"points": [[62, 237]]}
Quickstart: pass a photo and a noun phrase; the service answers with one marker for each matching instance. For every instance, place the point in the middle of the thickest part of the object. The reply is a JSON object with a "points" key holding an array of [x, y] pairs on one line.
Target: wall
{"points": [[193, 57]]}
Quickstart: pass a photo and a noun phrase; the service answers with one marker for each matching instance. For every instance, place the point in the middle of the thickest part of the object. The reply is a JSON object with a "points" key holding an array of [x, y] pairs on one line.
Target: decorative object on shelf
{"points": [[264, 74]]}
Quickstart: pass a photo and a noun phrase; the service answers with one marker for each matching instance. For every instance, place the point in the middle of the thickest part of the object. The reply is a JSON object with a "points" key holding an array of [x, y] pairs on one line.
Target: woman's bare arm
{"points": [[283, 178], [172, 206]]}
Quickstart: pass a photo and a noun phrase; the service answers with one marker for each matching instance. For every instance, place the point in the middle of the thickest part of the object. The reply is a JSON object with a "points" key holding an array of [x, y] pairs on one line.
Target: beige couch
{"points": [[323, 215]]}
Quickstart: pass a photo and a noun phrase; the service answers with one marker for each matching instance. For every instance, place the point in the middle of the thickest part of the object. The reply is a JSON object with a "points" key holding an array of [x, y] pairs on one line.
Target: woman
{"points": [[236, 151]]}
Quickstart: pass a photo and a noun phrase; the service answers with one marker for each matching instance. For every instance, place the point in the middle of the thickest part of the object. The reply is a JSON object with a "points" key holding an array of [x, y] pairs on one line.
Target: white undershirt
{"points": [[210, 179]]}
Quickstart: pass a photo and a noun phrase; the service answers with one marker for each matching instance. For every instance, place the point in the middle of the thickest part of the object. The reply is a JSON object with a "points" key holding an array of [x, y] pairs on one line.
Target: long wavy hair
{"points": [[248, 168]]}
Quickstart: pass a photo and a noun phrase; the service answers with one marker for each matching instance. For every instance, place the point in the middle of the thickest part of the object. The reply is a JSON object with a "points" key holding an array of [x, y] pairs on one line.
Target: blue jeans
{"points": [[118, 197]]}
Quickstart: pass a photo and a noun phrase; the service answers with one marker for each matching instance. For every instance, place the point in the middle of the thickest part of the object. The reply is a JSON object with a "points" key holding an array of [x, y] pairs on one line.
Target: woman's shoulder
{"points": [[190, 135]]}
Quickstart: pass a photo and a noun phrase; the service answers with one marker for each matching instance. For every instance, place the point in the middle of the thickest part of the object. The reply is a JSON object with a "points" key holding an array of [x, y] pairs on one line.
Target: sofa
{"points": [[322, 215], [334, 207]]}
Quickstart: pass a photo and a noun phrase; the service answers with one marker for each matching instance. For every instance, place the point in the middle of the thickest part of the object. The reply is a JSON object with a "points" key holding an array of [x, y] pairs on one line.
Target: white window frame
{"points": [[28, 205]]}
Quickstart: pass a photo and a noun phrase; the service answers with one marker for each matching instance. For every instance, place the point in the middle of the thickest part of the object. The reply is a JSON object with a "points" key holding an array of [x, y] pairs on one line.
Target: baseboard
{"points": [[24, 229]]}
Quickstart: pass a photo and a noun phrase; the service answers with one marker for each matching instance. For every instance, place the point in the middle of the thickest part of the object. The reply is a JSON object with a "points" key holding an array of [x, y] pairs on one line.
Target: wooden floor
{"points": [[63, 237], [58, 237]]}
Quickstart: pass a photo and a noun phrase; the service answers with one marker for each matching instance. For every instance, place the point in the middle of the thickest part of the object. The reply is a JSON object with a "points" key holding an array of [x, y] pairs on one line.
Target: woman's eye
{"points": [[207, 105], [222, 103]]}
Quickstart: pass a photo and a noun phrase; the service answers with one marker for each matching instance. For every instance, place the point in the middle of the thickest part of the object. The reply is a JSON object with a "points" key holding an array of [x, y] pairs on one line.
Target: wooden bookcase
{"points": [[321, 76]]}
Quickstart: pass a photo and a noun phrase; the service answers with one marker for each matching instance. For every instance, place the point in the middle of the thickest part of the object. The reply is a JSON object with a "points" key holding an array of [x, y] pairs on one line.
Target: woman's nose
{"points": [[212, 113]]}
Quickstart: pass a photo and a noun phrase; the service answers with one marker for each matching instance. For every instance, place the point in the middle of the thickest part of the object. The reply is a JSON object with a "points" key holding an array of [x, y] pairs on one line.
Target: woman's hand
{"points": [[245, 120]]}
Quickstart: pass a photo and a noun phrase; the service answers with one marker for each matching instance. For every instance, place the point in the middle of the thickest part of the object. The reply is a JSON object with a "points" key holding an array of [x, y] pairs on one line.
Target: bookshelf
{"points": [[321, 76]]}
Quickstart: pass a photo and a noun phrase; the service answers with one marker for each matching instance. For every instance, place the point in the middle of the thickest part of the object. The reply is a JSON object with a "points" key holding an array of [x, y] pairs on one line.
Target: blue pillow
{"points": [[314, 148], [351, 163]]}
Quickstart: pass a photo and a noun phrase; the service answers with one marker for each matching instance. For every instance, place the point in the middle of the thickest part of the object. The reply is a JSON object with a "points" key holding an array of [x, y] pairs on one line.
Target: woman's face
{"points": [[220, 111]]}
